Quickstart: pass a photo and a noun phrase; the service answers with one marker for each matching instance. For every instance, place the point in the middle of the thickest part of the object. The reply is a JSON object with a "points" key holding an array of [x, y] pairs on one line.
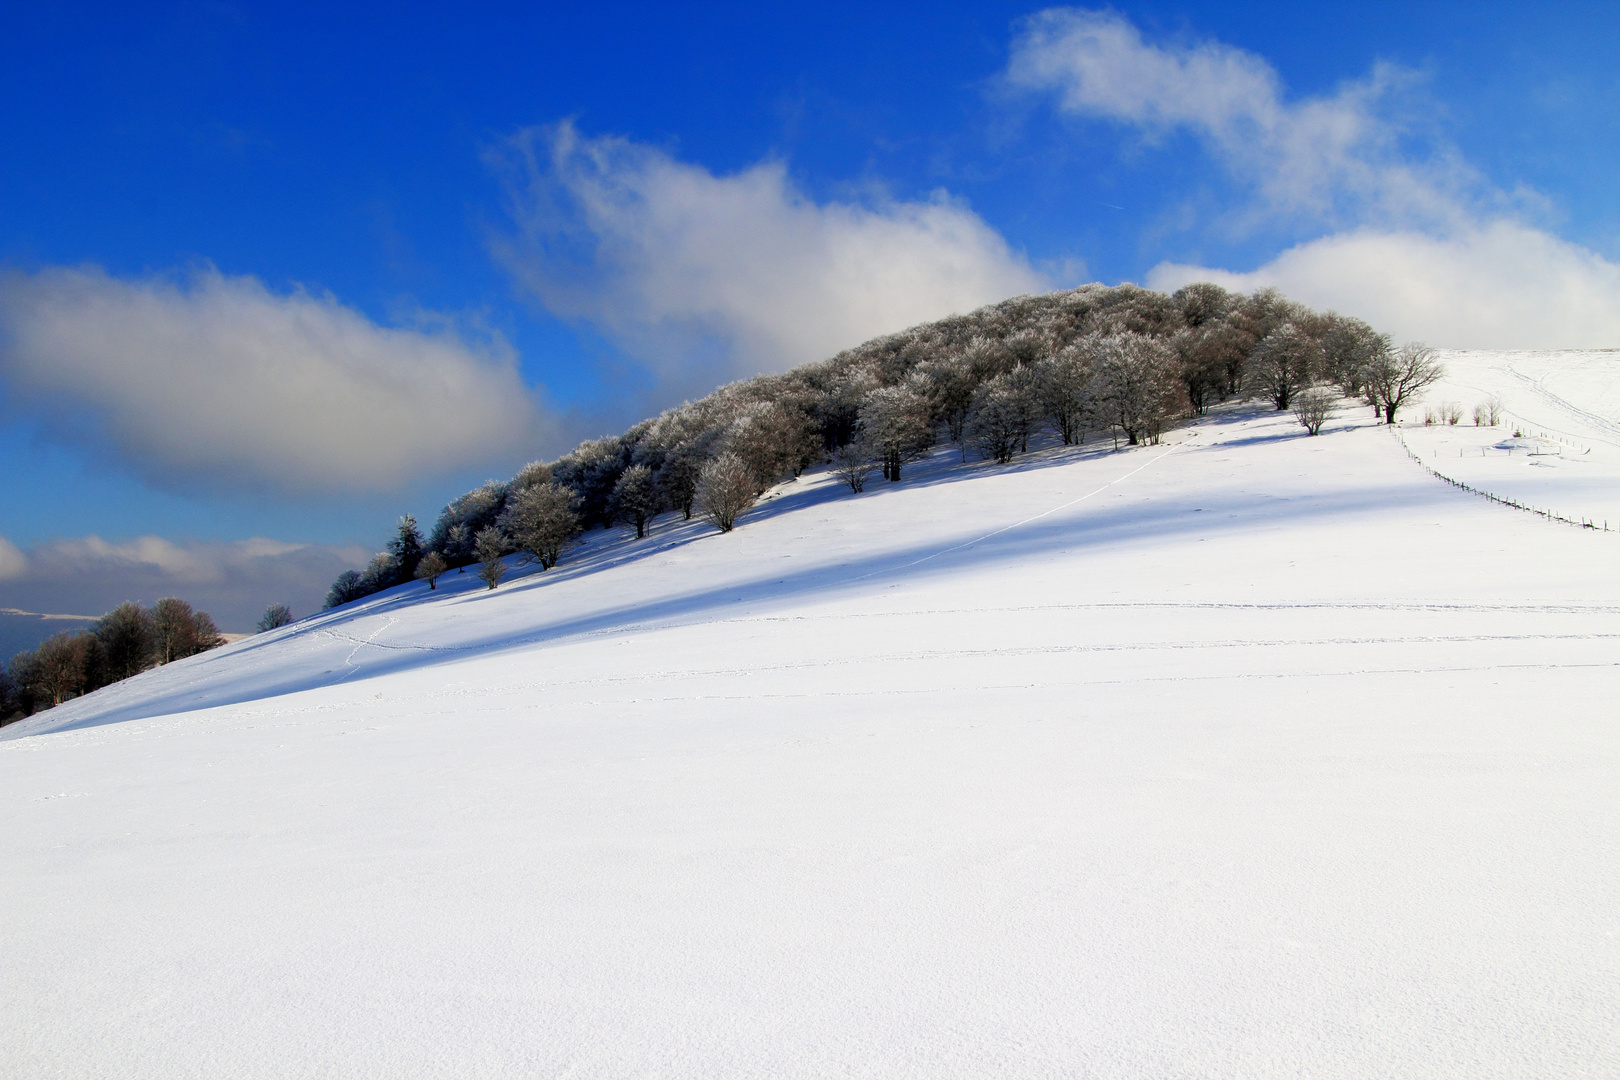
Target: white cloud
{"points": [[1327, 157], [675, 263], [1423, 248], [234, 581], [13, 563], [1500, 286], [217, 381]]}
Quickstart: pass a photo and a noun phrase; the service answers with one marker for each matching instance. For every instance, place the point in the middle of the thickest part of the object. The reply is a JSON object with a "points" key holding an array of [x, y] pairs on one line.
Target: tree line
{"points": [[1118, 362], [126, 641]]}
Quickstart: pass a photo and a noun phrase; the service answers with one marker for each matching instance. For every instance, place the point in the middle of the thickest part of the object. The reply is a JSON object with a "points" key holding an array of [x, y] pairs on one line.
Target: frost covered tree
{"points": [[951, 383], [853, 463], [1349, 348], [1286, 360], [542, 521], [1006, 412], [276, 615], [1065, 389], [429, 568], [459, 523], [895, 425], [381, 573], [725, 491], [491, 547], [1312, 406], [1139, 385], [636, 498], [1395, 378], [679, 473]]}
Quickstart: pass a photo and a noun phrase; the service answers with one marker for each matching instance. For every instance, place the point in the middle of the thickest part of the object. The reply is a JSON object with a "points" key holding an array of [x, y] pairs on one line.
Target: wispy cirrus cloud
{"points": [[703, 276], [214, 382]]}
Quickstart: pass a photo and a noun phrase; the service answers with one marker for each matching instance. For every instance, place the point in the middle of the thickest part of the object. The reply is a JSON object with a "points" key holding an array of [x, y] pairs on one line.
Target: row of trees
{"points": [[124, 642], [1123, 362]]}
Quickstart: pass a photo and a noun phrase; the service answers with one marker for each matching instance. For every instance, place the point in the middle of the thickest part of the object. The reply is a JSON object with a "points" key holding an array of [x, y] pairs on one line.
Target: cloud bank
{"points": [[233, 581], [213, 382], [1498, 286], [1417, 241], [732, 274]]}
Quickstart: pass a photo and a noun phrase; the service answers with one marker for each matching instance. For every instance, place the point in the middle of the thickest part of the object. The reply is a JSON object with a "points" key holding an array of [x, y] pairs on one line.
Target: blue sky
{"points": [[277, 273]]}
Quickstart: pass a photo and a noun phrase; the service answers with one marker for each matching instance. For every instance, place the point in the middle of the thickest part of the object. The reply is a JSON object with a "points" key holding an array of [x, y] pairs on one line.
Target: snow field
{"points": [[1564, 407], [1248, 755]]}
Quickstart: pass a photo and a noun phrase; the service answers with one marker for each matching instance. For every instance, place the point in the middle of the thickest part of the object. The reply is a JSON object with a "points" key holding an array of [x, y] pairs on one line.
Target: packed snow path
{"points": [[1248, 755]]}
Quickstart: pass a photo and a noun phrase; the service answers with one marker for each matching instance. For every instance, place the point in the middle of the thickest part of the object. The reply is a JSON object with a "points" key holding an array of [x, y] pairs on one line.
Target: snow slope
{"points": [[1246, 755], [1557, 447]]}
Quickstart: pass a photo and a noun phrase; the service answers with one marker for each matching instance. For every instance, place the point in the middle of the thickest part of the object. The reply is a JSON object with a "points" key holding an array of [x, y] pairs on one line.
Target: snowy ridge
{"points": [[1251, 754]]}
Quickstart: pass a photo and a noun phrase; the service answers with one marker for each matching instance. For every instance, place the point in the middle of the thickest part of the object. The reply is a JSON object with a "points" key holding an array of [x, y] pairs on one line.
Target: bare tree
{"points": [[60, 667], [1396, 378], [182, 632], [127, 637], [277, 615], [853, 463], [636, 498], [491, 546], [1488, 412], [542, 521], [1312, 406], [725, 490], [429, 569]]}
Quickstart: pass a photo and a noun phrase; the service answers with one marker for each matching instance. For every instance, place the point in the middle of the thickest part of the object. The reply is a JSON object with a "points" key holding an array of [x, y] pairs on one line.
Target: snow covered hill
{"points": [[1250, 754]]}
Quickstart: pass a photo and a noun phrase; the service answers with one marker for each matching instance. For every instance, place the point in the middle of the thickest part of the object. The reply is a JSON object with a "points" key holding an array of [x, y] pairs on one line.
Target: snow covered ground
{"points": [[1247, 755], [1557, 445]]}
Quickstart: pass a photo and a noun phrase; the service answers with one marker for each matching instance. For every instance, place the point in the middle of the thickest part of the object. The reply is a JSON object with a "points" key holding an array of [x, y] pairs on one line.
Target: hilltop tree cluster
{"points": [[1121, 361], [124, 642]]}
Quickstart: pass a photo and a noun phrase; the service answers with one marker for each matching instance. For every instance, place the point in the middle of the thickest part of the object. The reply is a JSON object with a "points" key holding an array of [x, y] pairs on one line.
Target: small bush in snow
{"points": [[1452, 412], [1312, 406]]}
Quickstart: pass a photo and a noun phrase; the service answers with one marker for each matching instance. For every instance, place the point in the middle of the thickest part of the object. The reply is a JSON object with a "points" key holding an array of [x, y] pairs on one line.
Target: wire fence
{"points": [[1579, 523]]}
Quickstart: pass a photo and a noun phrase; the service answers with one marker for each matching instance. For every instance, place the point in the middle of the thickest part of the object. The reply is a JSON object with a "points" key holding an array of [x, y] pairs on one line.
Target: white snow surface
{"points": [[1250, 754], [1557, 446]]}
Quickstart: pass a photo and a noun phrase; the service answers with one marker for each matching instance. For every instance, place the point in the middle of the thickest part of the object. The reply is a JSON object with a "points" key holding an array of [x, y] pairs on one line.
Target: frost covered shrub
{"points": [[1452, 412], [1312, 407], [853, 463]]}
